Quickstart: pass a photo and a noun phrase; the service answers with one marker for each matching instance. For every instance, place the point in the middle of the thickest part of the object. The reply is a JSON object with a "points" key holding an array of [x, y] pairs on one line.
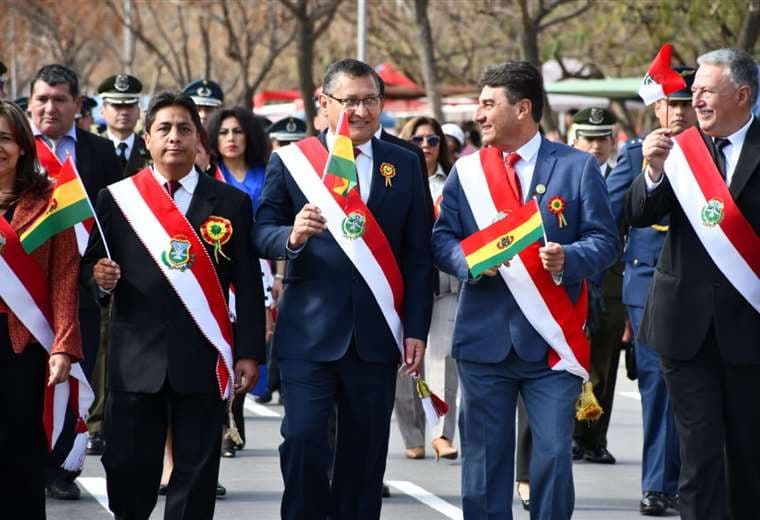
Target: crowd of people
{"points": [[220, 242]]}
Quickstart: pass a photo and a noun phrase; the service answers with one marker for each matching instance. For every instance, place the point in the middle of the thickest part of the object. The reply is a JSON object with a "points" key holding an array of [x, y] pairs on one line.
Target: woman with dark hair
{"points": [[240, 148], [440, 369], [24, 194]]}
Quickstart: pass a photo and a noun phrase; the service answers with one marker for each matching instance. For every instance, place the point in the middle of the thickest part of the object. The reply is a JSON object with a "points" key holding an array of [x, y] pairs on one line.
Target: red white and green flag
{"points": [[661, 80], [504, 239], [340, 171]]}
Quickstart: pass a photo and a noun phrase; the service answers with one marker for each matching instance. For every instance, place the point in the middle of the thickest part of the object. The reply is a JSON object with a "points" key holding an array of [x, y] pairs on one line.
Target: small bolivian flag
{"points": [[504, 239], [67, 207], [340, 170]]}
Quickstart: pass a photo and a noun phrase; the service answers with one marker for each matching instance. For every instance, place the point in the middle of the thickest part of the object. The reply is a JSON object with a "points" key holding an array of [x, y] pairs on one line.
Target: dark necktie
{"points": [[514, 180], [122, 155], [171, 187], [720, 156]]}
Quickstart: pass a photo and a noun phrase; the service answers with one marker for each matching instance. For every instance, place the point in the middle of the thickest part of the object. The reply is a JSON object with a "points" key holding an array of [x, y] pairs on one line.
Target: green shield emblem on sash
{"points": [[178, 255], [354, 225], [713, 212]]}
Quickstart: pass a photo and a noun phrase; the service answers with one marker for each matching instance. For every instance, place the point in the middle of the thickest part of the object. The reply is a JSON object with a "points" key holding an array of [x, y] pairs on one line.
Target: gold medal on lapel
{"points": [[388, 171]]}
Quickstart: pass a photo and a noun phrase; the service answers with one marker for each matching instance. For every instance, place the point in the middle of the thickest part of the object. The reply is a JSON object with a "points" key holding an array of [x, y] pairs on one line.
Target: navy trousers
{"points": [[487, 425], [661, 462], [363, 393]]}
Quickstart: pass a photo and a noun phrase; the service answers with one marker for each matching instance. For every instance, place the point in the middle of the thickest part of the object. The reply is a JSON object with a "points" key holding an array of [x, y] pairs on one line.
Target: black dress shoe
{"points": [[95, 444], [264, 398], [653, 504], [228, 448], [63, 490], [162, 489], [386, 491], [577, 451], [220, 490], [673, 502], [599, 456]]}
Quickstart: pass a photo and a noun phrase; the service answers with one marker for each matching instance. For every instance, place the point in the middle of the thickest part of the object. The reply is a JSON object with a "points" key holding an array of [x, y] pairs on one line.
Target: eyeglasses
{"points": [[370, 102], [432, 140]]}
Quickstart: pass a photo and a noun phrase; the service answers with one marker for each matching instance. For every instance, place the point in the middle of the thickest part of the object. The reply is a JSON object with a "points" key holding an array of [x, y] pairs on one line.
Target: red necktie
{"points": [[172, 187], [357, 153], [514, 180]]}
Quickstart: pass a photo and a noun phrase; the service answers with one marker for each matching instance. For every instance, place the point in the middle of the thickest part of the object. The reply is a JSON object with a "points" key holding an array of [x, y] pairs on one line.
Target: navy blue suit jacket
{"points": [[488, 321], [326, 302], [643, 246]]}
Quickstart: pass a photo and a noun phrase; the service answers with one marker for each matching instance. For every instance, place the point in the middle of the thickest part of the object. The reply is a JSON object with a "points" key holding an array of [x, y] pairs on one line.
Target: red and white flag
{"points": [[661, 80]]}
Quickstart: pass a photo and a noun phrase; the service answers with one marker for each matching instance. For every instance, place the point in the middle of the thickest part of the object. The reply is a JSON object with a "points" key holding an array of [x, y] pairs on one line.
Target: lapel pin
{"points": [[540, 189], [388, 171]]}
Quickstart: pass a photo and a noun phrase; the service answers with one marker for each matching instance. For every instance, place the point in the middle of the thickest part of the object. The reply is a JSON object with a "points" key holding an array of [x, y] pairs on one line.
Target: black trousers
{"points": [[22, 465], [135, 434], [718, 422], [524, 444]]}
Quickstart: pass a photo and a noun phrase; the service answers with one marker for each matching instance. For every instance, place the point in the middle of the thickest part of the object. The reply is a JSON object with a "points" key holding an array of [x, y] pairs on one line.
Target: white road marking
{"points": [[96, 486], [258, 409], [427, 498], [631, 395]]}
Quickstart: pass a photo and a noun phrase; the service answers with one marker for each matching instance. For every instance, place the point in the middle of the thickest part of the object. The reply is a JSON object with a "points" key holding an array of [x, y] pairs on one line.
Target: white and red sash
{"points": [[25, 292], [371, 253], [52, 166], [546, 306], [730, 240], [157, 222]]}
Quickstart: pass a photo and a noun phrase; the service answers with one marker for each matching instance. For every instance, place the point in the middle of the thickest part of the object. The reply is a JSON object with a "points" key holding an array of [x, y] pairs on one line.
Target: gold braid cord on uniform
{"points": [[587, 407], [232, 432]]}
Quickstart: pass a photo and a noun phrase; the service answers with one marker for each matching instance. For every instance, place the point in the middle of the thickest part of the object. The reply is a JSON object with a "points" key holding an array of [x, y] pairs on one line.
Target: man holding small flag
{"points": [[703, 311], [519, 326], [661, 463], [178, 239], [355, 227]]}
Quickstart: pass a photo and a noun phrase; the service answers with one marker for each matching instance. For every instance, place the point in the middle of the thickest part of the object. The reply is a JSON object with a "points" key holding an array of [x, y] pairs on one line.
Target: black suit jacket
{"points": [[152, 336], [689, 293], [138, 159], [97, 163]]}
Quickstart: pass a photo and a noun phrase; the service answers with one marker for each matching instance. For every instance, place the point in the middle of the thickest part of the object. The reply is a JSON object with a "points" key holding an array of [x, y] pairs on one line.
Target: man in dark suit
{"points": [[53, 104], [500, 326], [660, 465], [335, 345], [704, 327], [162, 369], [121, 110]]}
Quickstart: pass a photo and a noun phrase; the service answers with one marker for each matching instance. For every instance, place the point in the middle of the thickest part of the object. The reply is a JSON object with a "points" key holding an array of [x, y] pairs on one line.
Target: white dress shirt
{"points": [[363, 165], [184, 194], [129, 141], [436, 182], [527, 163]]}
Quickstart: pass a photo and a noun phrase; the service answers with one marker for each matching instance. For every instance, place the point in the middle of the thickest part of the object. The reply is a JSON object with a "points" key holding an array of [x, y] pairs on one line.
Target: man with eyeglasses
{"points": [[338, 344]]}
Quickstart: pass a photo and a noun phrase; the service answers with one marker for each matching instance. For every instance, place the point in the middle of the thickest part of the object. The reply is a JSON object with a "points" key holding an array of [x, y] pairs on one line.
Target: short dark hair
{"points": [[55, 74], [258, 147], [520, 80], [30, 177], [353, 68], [169, 99]]}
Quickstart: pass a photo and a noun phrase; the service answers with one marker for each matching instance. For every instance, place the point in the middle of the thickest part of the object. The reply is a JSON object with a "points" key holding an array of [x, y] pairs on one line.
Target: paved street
{"points": [[422, 490]]}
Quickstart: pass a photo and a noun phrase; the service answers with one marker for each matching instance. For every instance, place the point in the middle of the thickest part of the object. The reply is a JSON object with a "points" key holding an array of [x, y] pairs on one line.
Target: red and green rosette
{"points": [[557, 206], [217, 231]]}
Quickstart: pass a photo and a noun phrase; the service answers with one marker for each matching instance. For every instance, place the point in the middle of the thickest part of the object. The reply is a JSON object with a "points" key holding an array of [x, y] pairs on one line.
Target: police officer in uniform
{"points": [[593, 133], [661, 461], [208, 97], [121, 110], [286, 131]]}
